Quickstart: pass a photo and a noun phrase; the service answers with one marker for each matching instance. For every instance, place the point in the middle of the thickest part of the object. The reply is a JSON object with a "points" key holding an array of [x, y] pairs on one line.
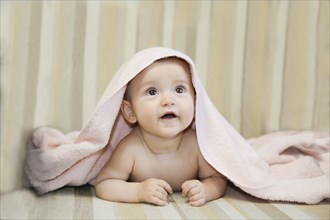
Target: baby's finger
{"points": [[194, 191], [196, 197], [161, 196], [165, 186], [187, 187], [198, 202], [157, 201], [186, 184], [161, 190]]}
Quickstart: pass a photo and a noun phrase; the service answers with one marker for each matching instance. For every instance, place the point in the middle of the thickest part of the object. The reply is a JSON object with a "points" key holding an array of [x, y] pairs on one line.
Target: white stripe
{"points": [[5, 30], [188, 211], [154, 212], [103, 209], [292, 211], [90, 59], [131, 28], [61, 201], [278, 67], [169, 212], [6, 54], [168, 17], [311, 62], [238, 61], [45, 64], [228, 209], [14, 204], [203, 35]]}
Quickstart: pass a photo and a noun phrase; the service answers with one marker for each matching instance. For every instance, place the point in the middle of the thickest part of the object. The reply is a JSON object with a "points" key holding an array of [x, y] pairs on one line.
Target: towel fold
{"points": [[286, 166]]}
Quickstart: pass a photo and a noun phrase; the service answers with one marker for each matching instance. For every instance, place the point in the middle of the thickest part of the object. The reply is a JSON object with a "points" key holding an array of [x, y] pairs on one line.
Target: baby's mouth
{"points": [[169, 115]]}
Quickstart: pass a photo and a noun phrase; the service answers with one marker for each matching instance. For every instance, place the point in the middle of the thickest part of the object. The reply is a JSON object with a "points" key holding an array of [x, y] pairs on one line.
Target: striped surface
{"points": [[81, 203], [265, 64]]}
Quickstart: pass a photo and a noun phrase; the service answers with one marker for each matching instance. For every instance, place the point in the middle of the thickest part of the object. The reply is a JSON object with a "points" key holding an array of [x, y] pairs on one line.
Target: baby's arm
{"points": [[211, 186], [111, 183]]}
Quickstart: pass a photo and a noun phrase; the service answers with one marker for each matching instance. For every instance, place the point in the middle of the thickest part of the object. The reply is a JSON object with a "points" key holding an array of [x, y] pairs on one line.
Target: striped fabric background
{"points": [[265, 64], [82, 203]]}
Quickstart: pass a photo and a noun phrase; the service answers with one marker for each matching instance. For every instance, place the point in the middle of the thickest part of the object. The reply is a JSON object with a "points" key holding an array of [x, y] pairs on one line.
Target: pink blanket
{"points": [[286, 166]]}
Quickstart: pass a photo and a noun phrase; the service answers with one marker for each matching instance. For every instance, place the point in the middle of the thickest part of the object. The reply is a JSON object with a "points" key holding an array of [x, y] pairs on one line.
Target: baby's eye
{"points": [[152, 91], [179, 89]]}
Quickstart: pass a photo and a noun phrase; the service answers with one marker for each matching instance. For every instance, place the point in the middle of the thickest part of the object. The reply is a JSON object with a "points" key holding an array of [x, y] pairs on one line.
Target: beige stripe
{"points": [[217, 210], [295, 73], [61, 201], [170, 211], [217, 80], [111, 37], [318, 211], [83, 203], [202, 41], [131, 28], [44, 94], [89, 94], [126, 211], [254, 67], [32, 68], [78, 67], [149, 24], [175, 204], [179, 39], [57, 67], [238, 64], [209, 212], [185, 210], [292, 211], [191, 9], [63, 66], [152, 211], [247, 208], [322, 97], [55, 205], [313, 9], [264, 205], [168, 20], [278, 67]]}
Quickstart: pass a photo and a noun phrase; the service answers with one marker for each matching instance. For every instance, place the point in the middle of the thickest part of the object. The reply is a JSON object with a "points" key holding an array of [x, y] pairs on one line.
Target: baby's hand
{"points": [[195, 191], [154, 191]]}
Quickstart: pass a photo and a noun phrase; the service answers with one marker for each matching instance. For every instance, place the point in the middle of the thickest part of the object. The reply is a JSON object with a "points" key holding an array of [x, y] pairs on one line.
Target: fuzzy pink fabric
{"points": [[286, 166]]}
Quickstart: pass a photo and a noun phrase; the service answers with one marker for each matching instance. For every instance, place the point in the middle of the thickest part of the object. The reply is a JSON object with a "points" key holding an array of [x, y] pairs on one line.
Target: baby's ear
{"points": [[126, 109]]}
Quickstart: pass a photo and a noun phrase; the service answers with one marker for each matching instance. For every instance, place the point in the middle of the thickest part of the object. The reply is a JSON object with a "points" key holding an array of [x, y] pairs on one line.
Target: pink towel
{"points": [[286, 166]]}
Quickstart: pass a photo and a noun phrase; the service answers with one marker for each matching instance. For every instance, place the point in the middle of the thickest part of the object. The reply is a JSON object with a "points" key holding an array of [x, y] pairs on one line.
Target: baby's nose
{"points": [[167, 100]]}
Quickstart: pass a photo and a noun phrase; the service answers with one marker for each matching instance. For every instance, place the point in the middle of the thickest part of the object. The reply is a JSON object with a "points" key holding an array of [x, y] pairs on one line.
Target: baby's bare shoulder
{"points": [[129, 144]]}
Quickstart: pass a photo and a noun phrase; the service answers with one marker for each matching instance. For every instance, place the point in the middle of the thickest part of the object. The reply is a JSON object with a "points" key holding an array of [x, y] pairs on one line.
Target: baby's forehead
{"points": [[161, 63], [167, 62]]}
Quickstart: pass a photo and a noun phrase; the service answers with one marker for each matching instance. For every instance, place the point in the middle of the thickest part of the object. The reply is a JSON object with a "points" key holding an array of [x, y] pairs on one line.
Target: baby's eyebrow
{"points": [[149, 82], [183, 81]]}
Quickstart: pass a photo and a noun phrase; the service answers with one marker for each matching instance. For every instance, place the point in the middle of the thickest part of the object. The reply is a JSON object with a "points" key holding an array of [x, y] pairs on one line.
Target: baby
{"points": [[161, 154]]}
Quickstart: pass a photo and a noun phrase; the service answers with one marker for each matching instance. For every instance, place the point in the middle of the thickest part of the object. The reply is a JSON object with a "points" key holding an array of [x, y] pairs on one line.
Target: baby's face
{"points": [[162, 97]]}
